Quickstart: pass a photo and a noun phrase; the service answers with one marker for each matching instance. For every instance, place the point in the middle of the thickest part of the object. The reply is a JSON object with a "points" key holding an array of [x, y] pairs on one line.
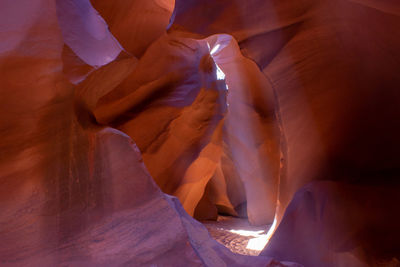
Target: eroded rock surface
{"points": [[223, 133], [73, 192], [198, 117], [333, 67]]}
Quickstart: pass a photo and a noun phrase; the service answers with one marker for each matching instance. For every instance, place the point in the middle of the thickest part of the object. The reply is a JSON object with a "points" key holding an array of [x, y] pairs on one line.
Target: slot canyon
{"points": [[200, 133]]}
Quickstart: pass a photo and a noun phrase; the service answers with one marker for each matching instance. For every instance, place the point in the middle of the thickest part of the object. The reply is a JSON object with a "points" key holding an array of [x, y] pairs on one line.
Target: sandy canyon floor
{"points": [[238, 235]]}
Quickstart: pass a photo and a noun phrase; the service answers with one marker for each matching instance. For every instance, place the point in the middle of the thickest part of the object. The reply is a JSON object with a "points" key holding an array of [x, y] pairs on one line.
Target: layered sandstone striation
{"points": [[74, 192], [333, 67], [282, 111]]}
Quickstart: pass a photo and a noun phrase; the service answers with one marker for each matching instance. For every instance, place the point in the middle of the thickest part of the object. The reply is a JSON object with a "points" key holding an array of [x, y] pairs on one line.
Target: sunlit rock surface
{"points": [[198, 111], [318, 56], [241, 108], [250, 133], [74, 193], [333, 67], [172, 105]]}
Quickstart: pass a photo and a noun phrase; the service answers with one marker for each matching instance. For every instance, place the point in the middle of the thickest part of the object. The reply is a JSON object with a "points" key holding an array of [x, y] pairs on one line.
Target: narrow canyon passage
{"points": [[200, 133]]}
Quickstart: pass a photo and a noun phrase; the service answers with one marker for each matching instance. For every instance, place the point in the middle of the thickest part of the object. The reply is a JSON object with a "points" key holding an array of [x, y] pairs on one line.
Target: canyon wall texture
{"points": [[73, 192], [284, 111], [333, 67]]}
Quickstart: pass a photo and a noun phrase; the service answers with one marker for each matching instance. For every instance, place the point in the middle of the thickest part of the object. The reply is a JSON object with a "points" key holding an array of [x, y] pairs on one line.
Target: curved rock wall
{"points": [[73, 192], [266, 109], [333, 67]]}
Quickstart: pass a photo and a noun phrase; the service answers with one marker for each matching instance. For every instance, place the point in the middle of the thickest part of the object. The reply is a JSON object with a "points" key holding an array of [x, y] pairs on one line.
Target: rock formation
{"points": [[283, 111], [333, 67], [73, 192]]}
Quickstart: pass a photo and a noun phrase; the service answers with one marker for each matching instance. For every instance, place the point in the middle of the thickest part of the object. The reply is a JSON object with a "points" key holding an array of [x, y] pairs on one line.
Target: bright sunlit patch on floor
{"points": [[260, 238], [257, 243], [247, 233], [260, 242], [235, 234]]}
